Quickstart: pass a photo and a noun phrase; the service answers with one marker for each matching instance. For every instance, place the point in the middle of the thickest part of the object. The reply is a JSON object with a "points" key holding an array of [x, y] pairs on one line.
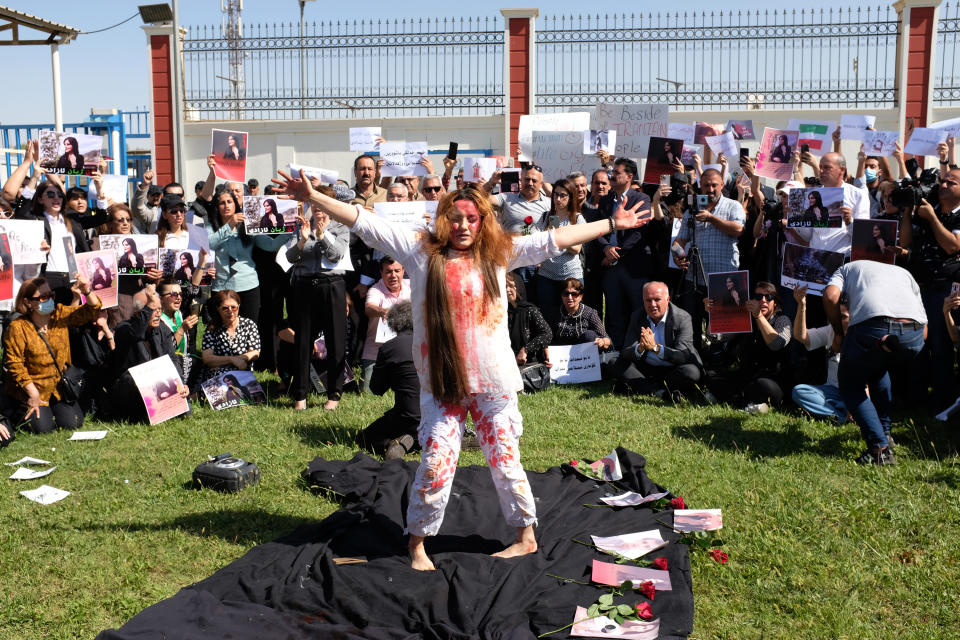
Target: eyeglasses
{"points": [[432, 189], [229, 308], [172, 294], [43, 297], [763, 296], [177, 209], [561, 195], [53, 194], [571, 294]]}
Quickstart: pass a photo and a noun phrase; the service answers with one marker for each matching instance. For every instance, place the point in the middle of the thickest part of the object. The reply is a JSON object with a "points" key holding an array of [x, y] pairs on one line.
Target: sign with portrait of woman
{"points": [[69, 153], [269, 215], [100, 270], [136, 253], [229, 149], [874, 240], [728, 293]]}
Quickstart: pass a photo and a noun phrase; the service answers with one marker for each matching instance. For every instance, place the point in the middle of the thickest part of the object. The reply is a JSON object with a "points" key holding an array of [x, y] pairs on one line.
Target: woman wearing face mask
{"points": [[32, 372]]}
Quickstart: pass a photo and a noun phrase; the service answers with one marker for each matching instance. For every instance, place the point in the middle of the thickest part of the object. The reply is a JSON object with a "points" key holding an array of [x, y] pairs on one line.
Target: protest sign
{"points": [[68, 153], [815, 207], [416, 215], [924, 141], [233, 389], [478, 169], [114, 188], [326, 176], [773, 157], [574, 363], [364, 138], [661, 155], [724, 143], [728, 292], [136, 253], [100, 269], [874, 240], [880, 143], [560, 153], [704, 129], [25, 237], [634, 124], [741, 129], [577, 121], [180, 265], [70, 255], [269, 215], [682, 131], [816, 134], [689, 150], [230, 151], [595, 140], [854, 126], [159, 385], [6, 269], [510, 180], [403, 158], [810, 267], [951, 126]]}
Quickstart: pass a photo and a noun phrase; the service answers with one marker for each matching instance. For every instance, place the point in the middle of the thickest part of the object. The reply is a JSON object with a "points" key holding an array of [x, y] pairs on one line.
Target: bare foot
{"points": [[331, 405], [526, 543], [300, 405], [418, 555]]}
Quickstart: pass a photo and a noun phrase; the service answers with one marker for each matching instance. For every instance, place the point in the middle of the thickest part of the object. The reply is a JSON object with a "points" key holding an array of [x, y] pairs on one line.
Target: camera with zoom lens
{"points": [[773, 211], [911, 192], [679, 187]]}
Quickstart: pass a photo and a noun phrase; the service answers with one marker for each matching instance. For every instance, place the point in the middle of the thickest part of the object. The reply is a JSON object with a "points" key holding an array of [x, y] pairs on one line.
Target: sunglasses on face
{"points": [[432, 189], [763, 296], [43, 297], [177, 209], [570, 294], [172, 294], [53, 194], [229, 308]]}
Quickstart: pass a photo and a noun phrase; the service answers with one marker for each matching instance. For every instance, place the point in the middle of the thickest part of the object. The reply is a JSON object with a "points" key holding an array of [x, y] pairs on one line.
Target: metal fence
{"points": [[946, 81], [720, 60], [360, 69]]}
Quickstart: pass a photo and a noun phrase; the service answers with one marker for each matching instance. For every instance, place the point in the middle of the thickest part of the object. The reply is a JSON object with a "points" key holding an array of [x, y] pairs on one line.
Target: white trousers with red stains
{"points": [[498, 423]]}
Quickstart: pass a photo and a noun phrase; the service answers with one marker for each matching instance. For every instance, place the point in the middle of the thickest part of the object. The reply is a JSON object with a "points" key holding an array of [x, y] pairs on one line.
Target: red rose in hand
{"points": [[528, 220], [719, 556], [574, 463], [659, 563], [643, 611], [677, 503], [647, 589]]}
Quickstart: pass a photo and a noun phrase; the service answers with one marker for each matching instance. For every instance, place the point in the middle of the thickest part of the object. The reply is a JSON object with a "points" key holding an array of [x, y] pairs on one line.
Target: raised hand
{"points": [[636, 216], [294, 188]]}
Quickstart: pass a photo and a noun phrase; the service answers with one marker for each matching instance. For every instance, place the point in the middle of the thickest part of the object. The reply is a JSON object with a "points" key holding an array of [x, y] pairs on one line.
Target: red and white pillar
{"points": [[916, 59], [160, 62], [519, 91]]}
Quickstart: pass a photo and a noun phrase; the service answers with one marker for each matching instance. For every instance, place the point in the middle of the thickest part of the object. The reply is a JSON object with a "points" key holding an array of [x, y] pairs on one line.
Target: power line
{"points": [[114, 26]]}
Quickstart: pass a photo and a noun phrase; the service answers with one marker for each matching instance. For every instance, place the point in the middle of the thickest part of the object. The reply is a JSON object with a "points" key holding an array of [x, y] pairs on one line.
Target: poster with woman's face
{"points": [[6, 269], [774, 155], [160, 388], [874, 240], [269, 215], [136, 253], [815, 207], [728, 293], [100, 270], [69, 153], [182, 264], [661, 155], [229, 149], [233, 389]]}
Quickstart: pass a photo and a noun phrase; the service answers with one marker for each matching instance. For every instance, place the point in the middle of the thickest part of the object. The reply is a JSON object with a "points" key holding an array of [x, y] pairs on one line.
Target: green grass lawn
{"points": [[819, 547]]}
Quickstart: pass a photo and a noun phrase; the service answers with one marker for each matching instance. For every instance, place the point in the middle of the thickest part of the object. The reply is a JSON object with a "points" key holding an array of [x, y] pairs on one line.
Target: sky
{"points": [[109, 69]]}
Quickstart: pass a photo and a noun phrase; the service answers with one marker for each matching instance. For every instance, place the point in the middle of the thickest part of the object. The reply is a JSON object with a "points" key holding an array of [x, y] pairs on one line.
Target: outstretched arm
{"points": [[622, 219], [299, 188]]}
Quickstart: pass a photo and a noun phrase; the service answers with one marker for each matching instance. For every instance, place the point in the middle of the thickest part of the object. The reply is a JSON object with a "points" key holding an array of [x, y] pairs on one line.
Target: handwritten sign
{"points": [[114, 188], [574, 363], [880, 143], [634, 124], [364, 138], [577, 121], [924, 141], [951, 126], [725, 143], [560, 153], [854, 126], [326, 176], [25, 237], [403, 158], [416, 215], [681, 131]]}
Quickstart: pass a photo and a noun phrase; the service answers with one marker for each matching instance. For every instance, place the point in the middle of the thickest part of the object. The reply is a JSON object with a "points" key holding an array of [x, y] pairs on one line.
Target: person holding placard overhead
{"points": [[461, 347], [391, 289], [319, 300]]}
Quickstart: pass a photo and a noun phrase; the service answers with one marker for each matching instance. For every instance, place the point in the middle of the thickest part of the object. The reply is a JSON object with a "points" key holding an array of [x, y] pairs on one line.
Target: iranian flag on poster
{"points": [[817, 134]]}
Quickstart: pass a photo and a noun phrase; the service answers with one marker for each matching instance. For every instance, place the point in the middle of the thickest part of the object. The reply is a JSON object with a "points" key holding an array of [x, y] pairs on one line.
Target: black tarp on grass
{"points": [[291, 588]]}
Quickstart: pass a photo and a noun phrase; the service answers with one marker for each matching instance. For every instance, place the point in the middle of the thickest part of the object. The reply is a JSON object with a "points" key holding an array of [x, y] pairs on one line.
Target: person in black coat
{"points": [[395, 432], [529, 332]]}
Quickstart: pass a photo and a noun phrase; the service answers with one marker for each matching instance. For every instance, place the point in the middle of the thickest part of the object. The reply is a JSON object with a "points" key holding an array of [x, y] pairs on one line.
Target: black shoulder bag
{"points": [[71, 378]]}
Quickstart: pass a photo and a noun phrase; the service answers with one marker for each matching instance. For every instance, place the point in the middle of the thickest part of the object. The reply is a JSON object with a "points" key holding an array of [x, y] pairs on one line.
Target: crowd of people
{"points": [[637, 291]]}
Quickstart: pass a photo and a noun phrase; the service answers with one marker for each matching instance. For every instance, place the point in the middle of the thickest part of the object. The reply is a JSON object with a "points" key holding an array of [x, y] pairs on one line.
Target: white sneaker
{"points": [[751, 408]]}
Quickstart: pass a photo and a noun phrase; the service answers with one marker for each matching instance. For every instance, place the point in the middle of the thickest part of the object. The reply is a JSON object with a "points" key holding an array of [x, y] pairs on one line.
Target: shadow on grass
{"points": [[325, 435]]}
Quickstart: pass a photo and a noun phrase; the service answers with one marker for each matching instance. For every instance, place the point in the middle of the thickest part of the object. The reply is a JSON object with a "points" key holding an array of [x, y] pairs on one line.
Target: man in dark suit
{"points": [[659, 347], [631, 257]]}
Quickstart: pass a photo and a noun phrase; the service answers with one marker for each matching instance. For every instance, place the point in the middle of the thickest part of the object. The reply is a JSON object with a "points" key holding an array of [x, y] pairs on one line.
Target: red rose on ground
{"points": [[647, 589], [528, 220], [677, 503], [659, 563], [644, 612], [574, 463], [719, 556]]}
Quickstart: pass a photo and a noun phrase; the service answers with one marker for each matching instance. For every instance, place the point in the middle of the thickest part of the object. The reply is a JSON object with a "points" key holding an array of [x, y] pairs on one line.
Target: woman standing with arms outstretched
{"points": [[461, 348]]}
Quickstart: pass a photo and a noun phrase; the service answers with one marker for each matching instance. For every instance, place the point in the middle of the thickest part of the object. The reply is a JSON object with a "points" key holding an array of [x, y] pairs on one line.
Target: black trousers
{"points": [[320, 304], [249, 303], [646, 378], [59, 415], [381, 431]]}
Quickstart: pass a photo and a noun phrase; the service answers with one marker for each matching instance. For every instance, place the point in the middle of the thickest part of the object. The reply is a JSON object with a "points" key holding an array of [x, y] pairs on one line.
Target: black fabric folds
{"points": [[292, 588]]}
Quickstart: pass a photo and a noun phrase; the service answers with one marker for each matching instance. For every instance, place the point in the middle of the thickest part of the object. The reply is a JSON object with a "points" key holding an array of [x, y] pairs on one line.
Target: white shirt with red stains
{"points": [[481, 328]]}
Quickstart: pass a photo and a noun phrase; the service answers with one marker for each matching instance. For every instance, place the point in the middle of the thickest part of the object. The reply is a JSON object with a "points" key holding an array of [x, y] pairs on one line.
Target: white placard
{"points": [[880, 143], [603, 627], [416, 215], [596, 140], [27, 460], [924, 141], [45, 494], [25, 237], [682, 131], [634, 124], [952, 126], [574, 363], [577, 121], [478, 169], [403, 158], [560, 153], [854, 126], [326, 176], [23, 473], [631, 545], [114, 188], [384, 332], [725, 143], [364, 138], [88, 435]]}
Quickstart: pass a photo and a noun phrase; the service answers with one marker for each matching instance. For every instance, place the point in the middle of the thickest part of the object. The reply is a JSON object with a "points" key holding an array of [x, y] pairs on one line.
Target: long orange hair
{"points": [[491, 250]]}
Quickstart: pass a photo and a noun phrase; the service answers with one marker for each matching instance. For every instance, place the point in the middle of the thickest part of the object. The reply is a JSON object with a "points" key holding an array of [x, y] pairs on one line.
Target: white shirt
{"points": [[57, 258], [179, 240], [818, 337]]}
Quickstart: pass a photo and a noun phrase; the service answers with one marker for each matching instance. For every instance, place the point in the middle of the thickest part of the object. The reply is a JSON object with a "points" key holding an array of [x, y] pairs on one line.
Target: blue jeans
{"points": [[822, 400], [864, 363]]}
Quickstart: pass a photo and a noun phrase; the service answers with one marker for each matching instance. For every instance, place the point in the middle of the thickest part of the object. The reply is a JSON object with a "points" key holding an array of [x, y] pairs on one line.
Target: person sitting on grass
{"points": [[821, 400]]}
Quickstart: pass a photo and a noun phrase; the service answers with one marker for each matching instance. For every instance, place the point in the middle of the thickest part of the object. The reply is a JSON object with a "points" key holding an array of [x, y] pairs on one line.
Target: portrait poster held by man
{"points": [[462, 348]]}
